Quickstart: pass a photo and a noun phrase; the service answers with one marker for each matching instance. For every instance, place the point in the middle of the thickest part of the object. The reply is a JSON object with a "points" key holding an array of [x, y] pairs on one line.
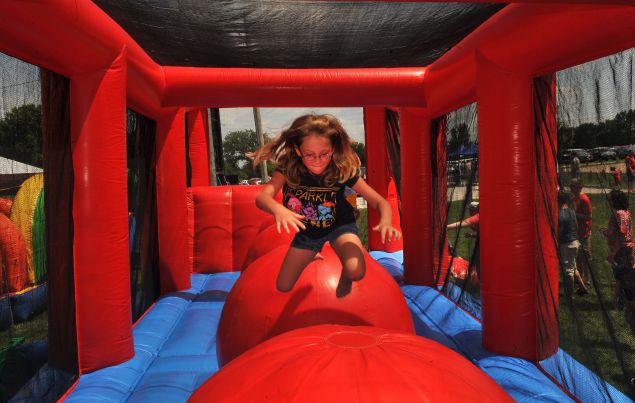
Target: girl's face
{"points": [[316, 152]]}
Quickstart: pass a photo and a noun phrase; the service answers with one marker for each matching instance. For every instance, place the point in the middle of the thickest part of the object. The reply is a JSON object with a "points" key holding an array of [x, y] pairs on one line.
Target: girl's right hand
{"points": [[286, 218]]}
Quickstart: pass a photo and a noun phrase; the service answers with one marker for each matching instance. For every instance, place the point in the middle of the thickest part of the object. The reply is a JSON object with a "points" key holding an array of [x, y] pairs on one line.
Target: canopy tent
{"points": [[12, 167], [469, 151]]}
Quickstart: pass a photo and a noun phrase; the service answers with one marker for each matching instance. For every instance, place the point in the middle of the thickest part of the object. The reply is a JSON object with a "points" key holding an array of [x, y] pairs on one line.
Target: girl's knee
{"points": [[355, 271], [282, 287]]}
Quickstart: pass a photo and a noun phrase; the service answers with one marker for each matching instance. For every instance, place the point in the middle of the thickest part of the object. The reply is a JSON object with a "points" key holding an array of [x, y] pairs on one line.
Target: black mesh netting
{"points": [[596, 315], [37, 337], [322, 34], [142, 212], [454, 159]]}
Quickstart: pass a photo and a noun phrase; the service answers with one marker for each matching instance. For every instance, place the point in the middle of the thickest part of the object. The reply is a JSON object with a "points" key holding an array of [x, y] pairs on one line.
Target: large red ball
{"points": [[256, 311], [267, 240], [331, 363]]}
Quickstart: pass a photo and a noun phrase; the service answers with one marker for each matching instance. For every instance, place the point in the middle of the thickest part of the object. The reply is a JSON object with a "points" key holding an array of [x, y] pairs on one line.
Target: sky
{"points": [[274, 120]]}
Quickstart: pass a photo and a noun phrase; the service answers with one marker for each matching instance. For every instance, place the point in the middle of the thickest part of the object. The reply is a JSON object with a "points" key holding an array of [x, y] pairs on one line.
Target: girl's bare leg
{"points": [[294, 263], [349, 249]]}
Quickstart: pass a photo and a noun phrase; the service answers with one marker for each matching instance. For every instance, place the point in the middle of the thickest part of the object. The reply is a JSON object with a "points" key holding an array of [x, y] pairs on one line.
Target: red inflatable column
{"points": [[199, 146], [376, 166], [172, 202], [416, 201], [546, 213], [507, 167], [100, 214]]}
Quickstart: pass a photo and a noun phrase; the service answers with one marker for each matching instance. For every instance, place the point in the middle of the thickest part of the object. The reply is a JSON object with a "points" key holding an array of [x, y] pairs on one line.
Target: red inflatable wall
{"points": [[546, 192], [100, 213], [171, 202], [233, 87], [507, 210], [199, 146], [416, 186], [376, 166], [560, 35], [225, 222]]}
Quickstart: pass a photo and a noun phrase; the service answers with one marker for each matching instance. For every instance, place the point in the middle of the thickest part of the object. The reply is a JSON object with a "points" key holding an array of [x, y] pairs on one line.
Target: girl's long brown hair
{"points": [[344, 162]]}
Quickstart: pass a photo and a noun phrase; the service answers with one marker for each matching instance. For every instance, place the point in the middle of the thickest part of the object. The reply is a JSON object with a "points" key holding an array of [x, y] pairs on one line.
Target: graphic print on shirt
{"points": [[316, 204]]}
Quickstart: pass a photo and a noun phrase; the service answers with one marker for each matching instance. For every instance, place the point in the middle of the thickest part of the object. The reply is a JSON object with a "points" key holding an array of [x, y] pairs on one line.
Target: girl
{"points": [[315, 162]]}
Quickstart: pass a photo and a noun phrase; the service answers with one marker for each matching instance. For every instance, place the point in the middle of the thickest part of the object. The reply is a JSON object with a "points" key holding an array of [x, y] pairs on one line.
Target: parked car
{"points": [[608, 154], [584, 156], [622, 151], [565, 157], [597, 153], [244, 182]]}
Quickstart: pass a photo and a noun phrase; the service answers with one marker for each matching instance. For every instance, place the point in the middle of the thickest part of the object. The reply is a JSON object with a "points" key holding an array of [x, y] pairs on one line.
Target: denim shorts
{"points": [[302, 241]]}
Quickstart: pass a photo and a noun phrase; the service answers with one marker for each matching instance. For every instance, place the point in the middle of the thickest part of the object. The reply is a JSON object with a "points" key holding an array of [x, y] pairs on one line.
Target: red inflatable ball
{"points": [[5, 206], [14, 274], [256, 311], [331, 363], [267, 240]]}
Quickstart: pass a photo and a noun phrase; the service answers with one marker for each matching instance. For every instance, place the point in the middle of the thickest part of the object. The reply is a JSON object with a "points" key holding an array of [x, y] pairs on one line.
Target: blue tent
{"points": [[470, 151]]}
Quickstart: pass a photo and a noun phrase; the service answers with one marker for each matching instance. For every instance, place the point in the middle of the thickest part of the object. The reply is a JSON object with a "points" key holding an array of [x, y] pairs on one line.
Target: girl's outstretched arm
{"points": [[459, 224], [374, 199], [265, 201]]}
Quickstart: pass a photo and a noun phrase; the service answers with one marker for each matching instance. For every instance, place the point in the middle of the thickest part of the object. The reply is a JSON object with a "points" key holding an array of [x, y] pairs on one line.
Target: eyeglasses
{"points": [[313, 157]]}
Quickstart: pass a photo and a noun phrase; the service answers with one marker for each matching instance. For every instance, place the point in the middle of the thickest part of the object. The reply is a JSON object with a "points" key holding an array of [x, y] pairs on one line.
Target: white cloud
{"points": [[274, 120]]}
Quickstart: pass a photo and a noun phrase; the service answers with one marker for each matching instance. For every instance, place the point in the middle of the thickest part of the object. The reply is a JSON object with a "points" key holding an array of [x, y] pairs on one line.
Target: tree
{"points": [[566, 137], [360, 150], [459, 136], [21, 135], [586, 136], [235, 145]]}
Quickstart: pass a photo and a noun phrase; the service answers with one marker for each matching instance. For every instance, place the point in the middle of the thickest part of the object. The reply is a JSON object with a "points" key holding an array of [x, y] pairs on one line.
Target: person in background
{"points": [[472, 222], [619, 236], [584, 214], [575, 166], [617, 177], [568, 243], [629, 161]]}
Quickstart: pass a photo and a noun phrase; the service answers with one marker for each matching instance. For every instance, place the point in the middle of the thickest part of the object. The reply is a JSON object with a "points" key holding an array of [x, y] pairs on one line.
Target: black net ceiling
{"points": [[295, 34]]}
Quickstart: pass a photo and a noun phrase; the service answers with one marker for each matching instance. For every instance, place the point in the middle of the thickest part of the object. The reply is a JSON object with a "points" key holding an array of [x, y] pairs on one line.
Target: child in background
{"points": [[315, 163], [617, 177], [568, 242]]}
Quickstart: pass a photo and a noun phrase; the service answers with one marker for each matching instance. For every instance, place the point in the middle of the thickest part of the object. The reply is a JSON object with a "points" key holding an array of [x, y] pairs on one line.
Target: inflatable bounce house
{"points": [[132, 273]]}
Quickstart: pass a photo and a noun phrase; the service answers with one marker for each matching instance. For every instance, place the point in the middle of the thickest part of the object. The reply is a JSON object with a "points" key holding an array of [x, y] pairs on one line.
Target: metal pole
{"points": [[261, 139]]}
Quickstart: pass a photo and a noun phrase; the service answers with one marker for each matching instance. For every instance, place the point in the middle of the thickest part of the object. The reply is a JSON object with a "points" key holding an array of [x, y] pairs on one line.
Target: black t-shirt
{"points": [[324, 207]]}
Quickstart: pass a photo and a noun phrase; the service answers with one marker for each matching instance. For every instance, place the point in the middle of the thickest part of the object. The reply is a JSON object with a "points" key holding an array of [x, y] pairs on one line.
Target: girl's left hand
{"points": [[388, 232]]}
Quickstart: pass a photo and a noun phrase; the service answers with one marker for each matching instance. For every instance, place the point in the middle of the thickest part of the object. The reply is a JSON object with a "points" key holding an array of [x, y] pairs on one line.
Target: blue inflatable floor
{"points": [[175, 348], [175, 345]]}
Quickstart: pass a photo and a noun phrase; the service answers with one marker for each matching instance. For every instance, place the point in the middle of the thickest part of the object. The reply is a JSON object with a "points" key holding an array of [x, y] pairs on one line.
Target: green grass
{"points": [[362, 224], [463, 246], [32, 330], [595, 174], [588, 338]]}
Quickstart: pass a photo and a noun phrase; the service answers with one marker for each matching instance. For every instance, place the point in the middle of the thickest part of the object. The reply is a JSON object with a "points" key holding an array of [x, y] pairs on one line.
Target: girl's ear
{"points": [[297, 151]]}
